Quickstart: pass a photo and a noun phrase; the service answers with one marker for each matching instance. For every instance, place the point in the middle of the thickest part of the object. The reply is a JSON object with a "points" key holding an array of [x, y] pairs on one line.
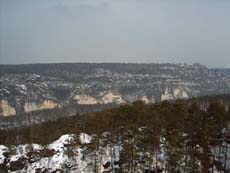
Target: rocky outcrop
{"points": [[85, 99], [167, 95], [6, 109], [112, 97], [147, 100], [105, 98], [180, 93], [34, 106], [176, 93]]}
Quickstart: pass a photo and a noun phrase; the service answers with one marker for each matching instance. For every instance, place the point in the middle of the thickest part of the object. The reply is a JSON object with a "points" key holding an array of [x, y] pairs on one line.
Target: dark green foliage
{"points": [[185, 131], [18, 164]]}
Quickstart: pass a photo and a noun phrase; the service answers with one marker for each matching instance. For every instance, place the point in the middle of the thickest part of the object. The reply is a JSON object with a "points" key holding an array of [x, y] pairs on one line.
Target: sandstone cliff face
{"points": [[112, 97], [166, 95], [85, 99], [180, 93], [34, 106], [6, 109], [107, 98], [147, 100], [177, 93]]}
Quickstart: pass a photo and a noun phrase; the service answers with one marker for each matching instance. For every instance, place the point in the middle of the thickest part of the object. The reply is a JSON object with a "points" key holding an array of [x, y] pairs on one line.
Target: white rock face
{"points": [[167, 95], [112, 97], [46, 104], [178, 93], [109, 97], [185, 95], [147, 100], [85, 99], [6, 109]]}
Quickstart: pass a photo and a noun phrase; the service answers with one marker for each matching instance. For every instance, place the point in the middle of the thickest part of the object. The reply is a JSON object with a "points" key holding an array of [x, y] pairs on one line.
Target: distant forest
{"points": [[70, 71]]}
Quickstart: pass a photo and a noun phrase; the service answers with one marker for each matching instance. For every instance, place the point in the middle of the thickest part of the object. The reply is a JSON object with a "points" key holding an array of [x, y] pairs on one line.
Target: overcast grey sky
{"points": [[40, 31]]}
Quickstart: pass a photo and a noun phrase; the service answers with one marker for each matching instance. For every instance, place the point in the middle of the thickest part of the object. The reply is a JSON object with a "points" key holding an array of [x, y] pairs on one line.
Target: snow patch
{"points": [[85, 138], [3, 149]]}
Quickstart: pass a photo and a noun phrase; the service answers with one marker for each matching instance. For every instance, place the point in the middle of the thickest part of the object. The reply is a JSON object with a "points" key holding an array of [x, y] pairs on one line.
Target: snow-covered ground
{"points": [[70, 153], [64, 156], [2, 150]]}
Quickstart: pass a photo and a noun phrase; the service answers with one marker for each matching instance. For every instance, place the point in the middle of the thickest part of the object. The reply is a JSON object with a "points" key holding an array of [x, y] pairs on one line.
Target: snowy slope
{"points": [[64, 155], [70, 153]]}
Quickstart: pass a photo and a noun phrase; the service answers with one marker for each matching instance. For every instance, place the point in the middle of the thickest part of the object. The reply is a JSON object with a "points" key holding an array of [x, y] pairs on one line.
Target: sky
{"points": [[137, 31]]}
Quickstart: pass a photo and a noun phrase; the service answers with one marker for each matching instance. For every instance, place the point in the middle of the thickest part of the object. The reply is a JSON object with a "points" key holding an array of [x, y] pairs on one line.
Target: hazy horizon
{"points": [[34, 63], [121, 31]]}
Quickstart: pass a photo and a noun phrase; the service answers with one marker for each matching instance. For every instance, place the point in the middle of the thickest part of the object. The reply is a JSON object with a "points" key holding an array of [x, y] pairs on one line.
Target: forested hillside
{"points": [[178, 136], [31, 87]]}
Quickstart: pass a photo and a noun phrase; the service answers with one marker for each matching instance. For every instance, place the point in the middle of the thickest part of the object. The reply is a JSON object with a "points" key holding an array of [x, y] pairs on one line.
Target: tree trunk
{"points": [[186, 158], [156, 161], [213, 160], [225, 157]]}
